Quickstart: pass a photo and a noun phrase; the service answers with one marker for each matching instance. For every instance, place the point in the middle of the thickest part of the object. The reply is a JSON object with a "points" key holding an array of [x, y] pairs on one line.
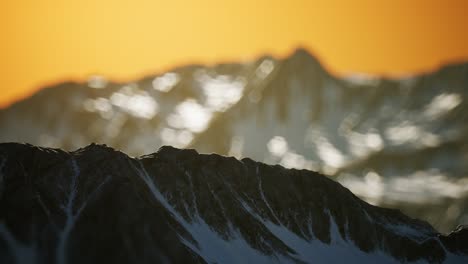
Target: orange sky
{"points": [[47, 41]]}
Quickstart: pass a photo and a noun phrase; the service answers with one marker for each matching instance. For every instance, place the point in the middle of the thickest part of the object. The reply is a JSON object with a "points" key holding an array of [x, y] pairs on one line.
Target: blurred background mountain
{"points": [[399, 143]]}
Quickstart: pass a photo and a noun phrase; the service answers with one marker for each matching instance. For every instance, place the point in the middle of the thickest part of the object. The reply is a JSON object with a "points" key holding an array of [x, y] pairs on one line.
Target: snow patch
{"points": [[208, 244]]}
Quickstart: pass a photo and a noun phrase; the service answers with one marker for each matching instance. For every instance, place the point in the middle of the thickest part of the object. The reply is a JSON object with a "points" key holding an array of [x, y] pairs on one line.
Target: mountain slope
{"points": [[396, 143], [96, 204]]}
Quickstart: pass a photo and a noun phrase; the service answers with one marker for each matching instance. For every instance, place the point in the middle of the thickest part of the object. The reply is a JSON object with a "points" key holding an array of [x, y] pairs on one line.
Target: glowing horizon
{"points": [[52, 40]]}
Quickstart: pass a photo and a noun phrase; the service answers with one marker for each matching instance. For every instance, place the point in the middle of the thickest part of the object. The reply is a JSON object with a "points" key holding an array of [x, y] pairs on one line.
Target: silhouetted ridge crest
{"points": [[177, 205]]}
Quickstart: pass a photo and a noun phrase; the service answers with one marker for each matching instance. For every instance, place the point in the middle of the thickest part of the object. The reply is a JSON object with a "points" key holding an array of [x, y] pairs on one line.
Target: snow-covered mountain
{"points": [[399, 143], [96, 205]]}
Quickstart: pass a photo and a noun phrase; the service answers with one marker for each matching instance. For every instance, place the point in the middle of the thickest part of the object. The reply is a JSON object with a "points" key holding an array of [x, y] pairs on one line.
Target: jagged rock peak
{"points": [[98, 205]]}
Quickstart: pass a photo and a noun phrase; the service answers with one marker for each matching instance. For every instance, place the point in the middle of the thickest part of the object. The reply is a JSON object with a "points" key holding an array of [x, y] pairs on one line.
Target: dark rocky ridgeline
{"points": [[97, 205]]}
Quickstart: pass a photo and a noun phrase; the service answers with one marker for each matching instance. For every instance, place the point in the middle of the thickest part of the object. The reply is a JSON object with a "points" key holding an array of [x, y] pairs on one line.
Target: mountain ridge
{"points": [[97, 204], [394, 142]]}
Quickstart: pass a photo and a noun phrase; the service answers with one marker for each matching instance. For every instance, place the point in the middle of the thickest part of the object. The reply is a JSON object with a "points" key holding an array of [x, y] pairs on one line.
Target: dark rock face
{"points": [[97, 205]]}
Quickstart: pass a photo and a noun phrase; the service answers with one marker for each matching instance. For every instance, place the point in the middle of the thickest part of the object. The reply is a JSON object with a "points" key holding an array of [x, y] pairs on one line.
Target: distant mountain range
{"points": [[97, 205], [399, 143]]}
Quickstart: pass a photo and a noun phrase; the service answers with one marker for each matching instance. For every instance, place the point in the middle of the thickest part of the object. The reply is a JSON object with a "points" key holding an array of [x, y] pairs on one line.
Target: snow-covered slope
{"points": [[98, 205], [395, 143]]}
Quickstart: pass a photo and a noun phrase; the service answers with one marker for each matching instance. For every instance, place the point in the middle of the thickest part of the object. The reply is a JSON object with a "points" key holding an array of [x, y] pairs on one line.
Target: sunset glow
{"points": [[48, 41]]}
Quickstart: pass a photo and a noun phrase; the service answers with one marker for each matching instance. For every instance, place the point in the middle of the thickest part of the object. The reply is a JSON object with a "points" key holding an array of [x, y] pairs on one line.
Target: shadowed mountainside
{"points": [[97, 205]]}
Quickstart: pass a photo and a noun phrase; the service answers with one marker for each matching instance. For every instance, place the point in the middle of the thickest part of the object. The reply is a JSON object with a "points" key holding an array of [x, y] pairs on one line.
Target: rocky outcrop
{"points": [[97, 205]]}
